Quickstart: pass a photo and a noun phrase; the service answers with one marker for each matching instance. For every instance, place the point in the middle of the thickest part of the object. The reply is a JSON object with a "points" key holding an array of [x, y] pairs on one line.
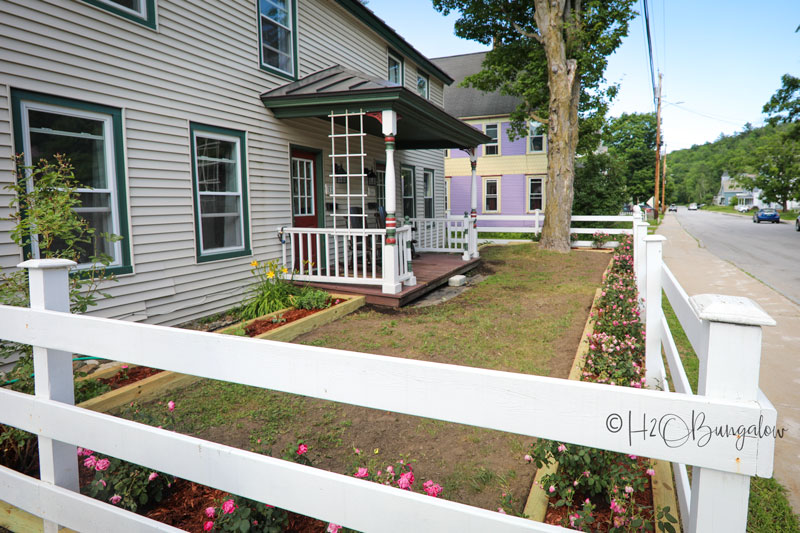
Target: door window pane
{"points": [[302, 187]]}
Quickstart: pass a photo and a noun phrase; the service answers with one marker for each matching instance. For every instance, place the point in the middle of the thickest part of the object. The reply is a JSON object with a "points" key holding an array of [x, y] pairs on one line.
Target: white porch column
{"points": [[473, 197], [391, 255], [49, 290]]}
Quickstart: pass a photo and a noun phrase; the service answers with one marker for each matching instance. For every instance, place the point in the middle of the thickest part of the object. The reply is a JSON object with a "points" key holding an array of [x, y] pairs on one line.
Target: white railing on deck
{"points": [[403, 236], [611, 418], [532, 223], [440, 234], [725, 333]]}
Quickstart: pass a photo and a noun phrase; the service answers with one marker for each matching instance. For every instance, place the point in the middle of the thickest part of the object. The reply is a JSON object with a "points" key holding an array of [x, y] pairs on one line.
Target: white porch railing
{"points": [[673, 426], [440, 234], [532, 223]]}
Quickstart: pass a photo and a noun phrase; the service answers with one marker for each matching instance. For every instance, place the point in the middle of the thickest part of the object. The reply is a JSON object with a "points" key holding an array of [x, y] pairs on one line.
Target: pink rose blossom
{"points": [[171, 406], [208, 526], [431, 488], [228, 507], [333, 528], [628, 489], [390, 469], [302, 449], [552, 489], [528, 458], [211, 512], [406, 480], [115, 499], [562, 448], [102, 464], [152, 476], [90, 461], [124, 366], [101, 482], [501, 510], [362, 472], [650, 472]]}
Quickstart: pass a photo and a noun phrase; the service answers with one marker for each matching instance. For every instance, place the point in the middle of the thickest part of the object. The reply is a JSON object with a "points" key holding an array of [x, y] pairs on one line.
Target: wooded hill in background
{"points": [[694, 174]]}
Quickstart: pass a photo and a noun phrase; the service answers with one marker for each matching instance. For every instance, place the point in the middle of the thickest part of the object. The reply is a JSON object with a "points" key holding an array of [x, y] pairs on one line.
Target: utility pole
{"points": [[664, 179], [658, 148]]}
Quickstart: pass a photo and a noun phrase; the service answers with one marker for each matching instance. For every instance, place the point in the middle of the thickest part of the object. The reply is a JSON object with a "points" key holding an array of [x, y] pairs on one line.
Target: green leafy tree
{"points": [[552, 56], [631, 139], [599, 185], [774, 167], [784, 106]]}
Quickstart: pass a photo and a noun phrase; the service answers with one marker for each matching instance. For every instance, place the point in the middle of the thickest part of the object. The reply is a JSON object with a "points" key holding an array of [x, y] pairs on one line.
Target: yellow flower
{"points": [[270, 274], [285, 270], [254, 263]]}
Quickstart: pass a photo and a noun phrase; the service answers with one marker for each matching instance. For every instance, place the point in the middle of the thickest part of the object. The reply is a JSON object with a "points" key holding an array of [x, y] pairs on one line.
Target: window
{"points": [[395, 69], [302, 187], [447, 193], [277, 36], [535, 140], [493, 146], [491, 195], [141, 11], [409, 203], [380, 183], [422, 85], [220, 189], [535, 193], [90, 135], [427, 188]]}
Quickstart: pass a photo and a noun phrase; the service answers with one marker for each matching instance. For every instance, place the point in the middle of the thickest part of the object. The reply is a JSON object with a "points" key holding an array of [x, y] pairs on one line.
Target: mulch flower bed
{"points": [[263, 325], [126, 376]]}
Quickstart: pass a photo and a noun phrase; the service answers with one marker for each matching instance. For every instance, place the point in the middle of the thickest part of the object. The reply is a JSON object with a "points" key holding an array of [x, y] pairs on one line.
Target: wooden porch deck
{"points": [[431, 269]]}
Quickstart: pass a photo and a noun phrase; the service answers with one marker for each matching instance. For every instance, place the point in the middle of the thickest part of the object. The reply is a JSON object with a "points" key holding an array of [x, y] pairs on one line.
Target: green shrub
{"points": [[311, 298], [271, 293]]}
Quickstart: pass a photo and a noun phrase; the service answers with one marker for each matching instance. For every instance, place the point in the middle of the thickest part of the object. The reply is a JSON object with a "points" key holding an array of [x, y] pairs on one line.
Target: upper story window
{"points": [[395, 69], [423, 85], [141, 11], [277, 35], [535, 139], [493, 146]]}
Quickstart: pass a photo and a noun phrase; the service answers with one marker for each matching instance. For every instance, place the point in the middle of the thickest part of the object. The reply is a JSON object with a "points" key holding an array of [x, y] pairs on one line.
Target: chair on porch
{"points": [[356, 221]]}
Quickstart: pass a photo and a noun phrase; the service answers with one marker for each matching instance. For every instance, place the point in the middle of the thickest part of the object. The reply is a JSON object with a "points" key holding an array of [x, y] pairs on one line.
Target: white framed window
{"points": [[427, 189], [493, 146], [491, 195], [302, 187], [90, 136], [277, 35], [535, 193], [220, 190], [536, 141], [423, 85], [380, 185], [409, 191], [447, 193], [141, 11], [395, 69]]}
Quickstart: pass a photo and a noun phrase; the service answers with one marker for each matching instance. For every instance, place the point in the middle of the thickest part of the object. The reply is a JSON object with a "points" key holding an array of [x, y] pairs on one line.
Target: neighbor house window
{"points": [[395, 69], [427, 187], [90, 136], [141, 11], [380, 184], [493, 146], [447, 193], [491, 195], [220, 188], [422, 85], [409, 203], [535, 193], [276, 25], [535, 139]]}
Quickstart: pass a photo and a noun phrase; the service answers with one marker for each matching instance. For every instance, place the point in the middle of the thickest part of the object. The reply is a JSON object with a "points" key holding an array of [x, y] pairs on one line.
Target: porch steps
{"points": [[432, 270]]}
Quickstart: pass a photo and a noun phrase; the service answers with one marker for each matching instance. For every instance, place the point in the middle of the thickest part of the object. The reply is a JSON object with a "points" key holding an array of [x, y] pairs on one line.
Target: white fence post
{"points": [[639, 258], [730, 371], [49, 289], [656, 376]]}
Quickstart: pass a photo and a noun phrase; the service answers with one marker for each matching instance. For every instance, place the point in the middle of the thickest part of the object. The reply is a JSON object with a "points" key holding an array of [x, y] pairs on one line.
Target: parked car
{"points": [[673, 207], [797, 223], [766, 215], [742, 208], [692, 207]]}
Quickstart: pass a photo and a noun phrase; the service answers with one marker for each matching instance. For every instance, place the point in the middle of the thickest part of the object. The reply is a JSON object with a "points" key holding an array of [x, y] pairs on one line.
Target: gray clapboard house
{"points": [[206, 132]]}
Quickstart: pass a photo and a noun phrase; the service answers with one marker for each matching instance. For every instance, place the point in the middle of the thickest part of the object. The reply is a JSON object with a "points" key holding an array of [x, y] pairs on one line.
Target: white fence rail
{"points": [[532, 223], [651, 423], [440, 234]]}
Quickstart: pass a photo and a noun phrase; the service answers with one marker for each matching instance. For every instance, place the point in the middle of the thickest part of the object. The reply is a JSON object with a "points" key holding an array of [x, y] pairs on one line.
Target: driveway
{"points": [[700, 270]]}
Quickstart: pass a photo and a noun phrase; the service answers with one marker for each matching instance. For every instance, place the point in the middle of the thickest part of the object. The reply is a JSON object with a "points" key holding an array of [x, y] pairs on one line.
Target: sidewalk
{"points": [[699, 272]]}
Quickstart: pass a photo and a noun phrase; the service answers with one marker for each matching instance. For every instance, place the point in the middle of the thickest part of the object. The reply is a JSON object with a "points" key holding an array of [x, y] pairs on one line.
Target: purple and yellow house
{"points": [[512, 173]]}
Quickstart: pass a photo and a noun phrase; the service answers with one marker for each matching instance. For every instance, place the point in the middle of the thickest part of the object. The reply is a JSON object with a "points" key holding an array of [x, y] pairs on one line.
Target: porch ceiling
{"points": [[421, 123]]}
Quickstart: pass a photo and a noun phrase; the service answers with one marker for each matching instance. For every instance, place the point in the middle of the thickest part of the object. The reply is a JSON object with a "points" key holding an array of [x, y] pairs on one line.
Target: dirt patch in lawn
{"points": [[526, 316]]}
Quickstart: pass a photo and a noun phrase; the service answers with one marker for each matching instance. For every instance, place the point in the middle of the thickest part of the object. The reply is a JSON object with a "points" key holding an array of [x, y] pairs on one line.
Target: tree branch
{"points": [[519, 29], [540, 120]]}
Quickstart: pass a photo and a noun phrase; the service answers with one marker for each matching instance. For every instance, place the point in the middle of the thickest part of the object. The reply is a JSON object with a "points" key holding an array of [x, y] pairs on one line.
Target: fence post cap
{"points": [[655, 238], [730, 309], [44, 264]]}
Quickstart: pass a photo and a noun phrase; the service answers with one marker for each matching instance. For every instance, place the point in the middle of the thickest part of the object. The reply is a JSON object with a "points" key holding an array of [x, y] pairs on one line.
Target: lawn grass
{"points": [[769, 511], [527, 316]]}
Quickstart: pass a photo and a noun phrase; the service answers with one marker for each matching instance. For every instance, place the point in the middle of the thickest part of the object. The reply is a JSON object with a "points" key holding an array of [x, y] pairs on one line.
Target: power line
{"points": [[649, 47], [706, 115]]}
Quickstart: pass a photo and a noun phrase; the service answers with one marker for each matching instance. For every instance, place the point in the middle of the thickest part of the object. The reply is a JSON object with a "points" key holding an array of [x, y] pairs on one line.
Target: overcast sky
{"points": [[721, 60]]}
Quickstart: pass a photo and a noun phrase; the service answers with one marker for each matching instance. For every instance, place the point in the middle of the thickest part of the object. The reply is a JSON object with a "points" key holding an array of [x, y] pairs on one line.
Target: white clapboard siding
{"points": [[201, 65]]}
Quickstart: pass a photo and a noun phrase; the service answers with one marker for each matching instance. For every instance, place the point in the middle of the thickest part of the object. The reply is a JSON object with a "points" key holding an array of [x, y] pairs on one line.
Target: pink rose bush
{"points": [[399, 474]]}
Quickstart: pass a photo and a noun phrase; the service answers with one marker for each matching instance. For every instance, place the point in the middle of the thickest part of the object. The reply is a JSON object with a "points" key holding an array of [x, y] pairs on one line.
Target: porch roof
{"points": [[421, 124]]}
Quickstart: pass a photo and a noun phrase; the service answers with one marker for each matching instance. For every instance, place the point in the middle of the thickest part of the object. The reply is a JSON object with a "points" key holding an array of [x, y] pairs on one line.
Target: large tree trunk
{"points": [[562, 130]]}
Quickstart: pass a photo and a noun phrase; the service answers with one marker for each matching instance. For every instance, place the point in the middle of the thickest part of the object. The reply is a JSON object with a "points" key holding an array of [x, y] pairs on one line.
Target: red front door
{"points": [[304, 208]]}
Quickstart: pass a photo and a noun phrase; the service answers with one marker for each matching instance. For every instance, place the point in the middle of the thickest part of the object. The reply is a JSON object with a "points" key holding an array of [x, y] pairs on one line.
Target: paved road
{"points": [[769, 252]]}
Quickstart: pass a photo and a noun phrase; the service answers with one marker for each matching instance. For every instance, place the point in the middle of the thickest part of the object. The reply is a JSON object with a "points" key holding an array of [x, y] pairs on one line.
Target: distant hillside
{"points": [[694, 174]]}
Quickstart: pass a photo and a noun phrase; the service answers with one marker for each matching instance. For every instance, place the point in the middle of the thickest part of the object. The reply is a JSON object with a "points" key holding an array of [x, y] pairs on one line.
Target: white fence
{"points": [[532, 223], [440, 234], [650, 423]]}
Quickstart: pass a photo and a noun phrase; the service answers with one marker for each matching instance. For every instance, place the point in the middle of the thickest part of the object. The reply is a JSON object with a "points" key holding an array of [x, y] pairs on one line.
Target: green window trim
{"points": [[203, 257], [19, 97], [269, 68], [429, 179], [147, 19], [413, 197]]}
